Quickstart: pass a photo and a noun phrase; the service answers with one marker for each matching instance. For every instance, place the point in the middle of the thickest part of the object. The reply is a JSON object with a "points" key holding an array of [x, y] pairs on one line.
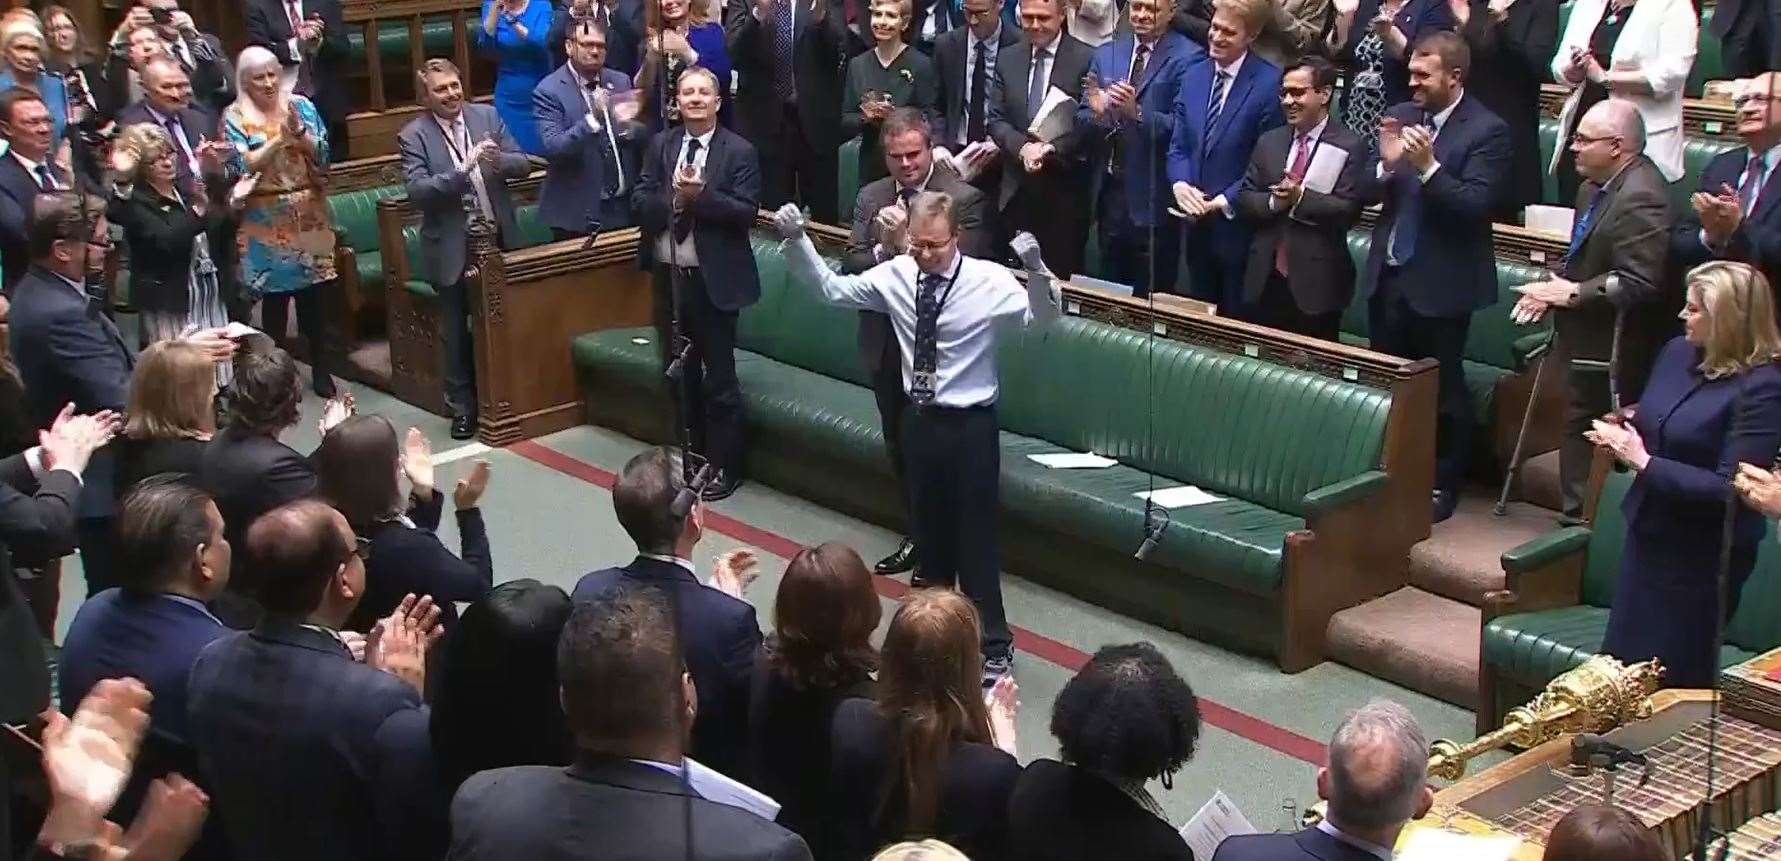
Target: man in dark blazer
{"points": [[880, 228], [167, 103], [696, 201], [721, 631], [788, 101], [290, 728], [1044, 182], [27, 169], [1443, 163], [1224, 106], [929, 20], [621, 20], [200, 55], [1516, 45], [1375, 783], [587, 115], [1130, 115], [309, 39], [965, 59], [1610, 284], [629, 793], [456, 159], [1299, 276], [1735, 212], [1749, 35]]}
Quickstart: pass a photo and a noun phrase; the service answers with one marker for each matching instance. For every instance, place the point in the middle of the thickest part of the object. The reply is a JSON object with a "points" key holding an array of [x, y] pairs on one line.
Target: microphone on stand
{"points": [[593, 233], [690, 492], [1156, 519]]}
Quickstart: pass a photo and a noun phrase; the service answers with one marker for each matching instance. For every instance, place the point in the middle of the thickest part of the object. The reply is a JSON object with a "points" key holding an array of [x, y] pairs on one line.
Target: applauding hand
{"points": [[734, 572], [398, 643]]}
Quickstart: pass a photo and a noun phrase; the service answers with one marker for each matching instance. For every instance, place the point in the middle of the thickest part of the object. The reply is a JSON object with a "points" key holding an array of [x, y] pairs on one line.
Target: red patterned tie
{"points": [[1301, 161]]}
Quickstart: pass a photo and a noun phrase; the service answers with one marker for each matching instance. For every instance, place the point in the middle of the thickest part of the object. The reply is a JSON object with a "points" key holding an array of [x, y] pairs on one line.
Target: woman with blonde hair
{"points": [[22, 48], [934, 756], [892, 75], [171, 413], [286, 240], [681, 34], [1712, 403]]}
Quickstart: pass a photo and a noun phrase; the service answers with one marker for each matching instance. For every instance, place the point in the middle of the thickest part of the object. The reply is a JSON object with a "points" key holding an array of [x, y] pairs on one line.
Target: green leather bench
{"points": [[355, 223], [1260, 570], [1561, 585], [392, 39]]}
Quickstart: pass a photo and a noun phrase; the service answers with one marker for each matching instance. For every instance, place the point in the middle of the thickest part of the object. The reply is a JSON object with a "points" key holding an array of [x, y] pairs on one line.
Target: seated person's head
{"points": [[925, 850], [306, 559], [908, 143], [172, 393], [358, 468], [1377, 777], [930, 683], [68, 234], [626, 642], [267, 389], [1597, 832], [643, 499], [823, 618], [1127, 716], [170, 539]]}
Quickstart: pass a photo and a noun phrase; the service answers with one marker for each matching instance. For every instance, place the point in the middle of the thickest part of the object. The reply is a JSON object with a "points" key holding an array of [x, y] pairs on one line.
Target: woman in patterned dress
{"points": [[1375, 38], [286, 240]]}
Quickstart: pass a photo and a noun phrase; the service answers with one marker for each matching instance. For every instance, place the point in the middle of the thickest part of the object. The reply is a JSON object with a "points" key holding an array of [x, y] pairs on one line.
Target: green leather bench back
{"points": [[392, 39], [1607, 539], [790, 324], [1708, 63], [1696, 154], [1756, 627], [355, 215]]}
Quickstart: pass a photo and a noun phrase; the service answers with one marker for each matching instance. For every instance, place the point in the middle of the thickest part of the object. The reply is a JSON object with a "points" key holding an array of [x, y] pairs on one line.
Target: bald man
{"points": [[1611, 277], [1733, 214], [167, 102]]}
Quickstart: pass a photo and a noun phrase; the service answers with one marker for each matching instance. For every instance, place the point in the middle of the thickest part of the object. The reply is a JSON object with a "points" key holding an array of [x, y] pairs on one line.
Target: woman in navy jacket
{"points": [[1713, 402]]}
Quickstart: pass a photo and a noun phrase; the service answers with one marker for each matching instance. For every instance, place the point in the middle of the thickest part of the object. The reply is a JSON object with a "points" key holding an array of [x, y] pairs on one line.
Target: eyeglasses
{"points": [[918, 245], [361, 548], [1586, 140]]}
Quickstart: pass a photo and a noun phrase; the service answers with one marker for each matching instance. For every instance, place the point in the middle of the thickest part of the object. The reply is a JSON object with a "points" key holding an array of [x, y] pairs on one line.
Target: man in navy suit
{"points": [[294, 735], [167, 102], [309, 38], [27, 169], [1375, 783], [696, 201], [587, 122], [720, 631], [1444, 161], [1736, 210], [1130, 107], [965, 59], [1224, 107]]}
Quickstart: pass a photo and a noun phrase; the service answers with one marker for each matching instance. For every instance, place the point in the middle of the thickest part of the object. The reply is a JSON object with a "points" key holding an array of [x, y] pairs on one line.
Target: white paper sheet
{"points": [[1072, 460], [1047, 127], [1218, 818], [1178, 497], [1439, 844], [1325, 168], [716, 786], [1556, 220]]}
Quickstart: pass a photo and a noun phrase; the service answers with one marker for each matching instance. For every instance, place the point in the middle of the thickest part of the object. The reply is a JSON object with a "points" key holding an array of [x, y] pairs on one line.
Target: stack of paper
{"points": [[1218, 818], [1072, 460], [1178, 497]]}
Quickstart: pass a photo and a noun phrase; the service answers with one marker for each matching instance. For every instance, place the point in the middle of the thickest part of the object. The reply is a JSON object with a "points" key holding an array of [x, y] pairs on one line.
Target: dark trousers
{"points": [[1396, 328], [709, 401], [795, 169], [339, 142], [1749, 47], [1277, 308], [1053, 206], [275, 310], [98, 561], [1211, 275], [459, 372], [953, 460], [893, 401], [1126, 248]]}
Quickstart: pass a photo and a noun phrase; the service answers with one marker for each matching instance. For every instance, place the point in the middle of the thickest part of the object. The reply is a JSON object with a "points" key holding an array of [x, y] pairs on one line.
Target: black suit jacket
{"points": [[1516, 53], [287, 725], [1064, 813], [951, 61], [1307, 845], [1452, 271], [1621, 264], [1321, 273], [820, 51], [160, 232], [250, 474], [604, 807], [1756, 241], [270, 28], [18, 190], [720, 635], [722, 214], [1010, 115], [66, 349], [196, 123], [36, 525], [411, 559]]}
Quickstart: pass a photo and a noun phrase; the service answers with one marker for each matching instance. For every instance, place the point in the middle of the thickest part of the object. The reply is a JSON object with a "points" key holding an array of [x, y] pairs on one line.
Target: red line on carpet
{"points": [[1038, 645]]}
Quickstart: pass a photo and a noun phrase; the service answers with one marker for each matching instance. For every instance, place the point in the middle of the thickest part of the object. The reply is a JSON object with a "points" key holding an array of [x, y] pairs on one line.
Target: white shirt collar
{"points": [[581, 80], [1316, 133], [1441, 116], [923, 185], [1235, 66], [993, 40], [1050, 48], [1768, 157], [1382, 852], [159, 118], [704, 139], [673, 560], [30, 166], [74, 285]]}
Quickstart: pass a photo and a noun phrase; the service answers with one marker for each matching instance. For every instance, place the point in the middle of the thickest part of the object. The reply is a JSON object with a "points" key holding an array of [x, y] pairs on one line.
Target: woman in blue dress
{"points": [[681, 34], [1713, 402], [22, 45], [514, 33]]}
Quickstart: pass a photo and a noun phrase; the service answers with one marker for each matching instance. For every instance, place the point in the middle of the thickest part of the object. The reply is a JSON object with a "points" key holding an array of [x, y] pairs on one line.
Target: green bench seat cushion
{"points": [[370, 265], [392, 39]]}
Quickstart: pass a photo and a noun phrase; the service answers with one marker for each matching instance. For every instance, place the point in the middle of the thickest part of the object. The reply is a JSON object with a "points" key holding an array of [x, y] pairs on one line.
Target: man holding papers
{"points": [[947, 311], [1032, 117], [1302, 193]]}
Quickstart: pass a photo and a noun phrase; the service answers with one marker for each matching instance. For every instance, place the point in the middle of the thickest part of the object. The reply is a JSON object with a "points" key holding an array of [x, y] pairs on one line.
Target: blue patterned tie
{"points": [[1581, 228], [785, 82], [927, 343], [1216, 105]]}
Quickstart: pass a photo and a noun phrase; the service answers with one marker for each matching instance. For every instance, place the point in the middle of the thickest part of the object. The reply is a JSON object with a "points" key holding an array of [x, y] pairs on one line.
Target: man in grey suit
{"points": [[630, 792], [587, 121], [880, 232], [456, 159], [1610, 283]]}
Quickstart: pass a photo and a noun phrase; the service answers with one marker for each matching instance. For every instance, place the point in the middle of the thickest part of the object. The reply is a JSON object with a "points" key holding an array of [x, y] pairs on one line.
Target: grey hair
{"points": [[1378, 765], [930, 204], [252, 59]]}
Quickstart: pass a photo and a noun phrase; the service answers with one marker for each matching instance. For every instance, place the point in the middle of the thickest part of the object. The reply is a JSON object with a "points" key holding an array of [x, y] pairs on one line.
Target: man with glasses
{"points": [[1608, 285], [1733, 213], [27, 168], [947, 311]]}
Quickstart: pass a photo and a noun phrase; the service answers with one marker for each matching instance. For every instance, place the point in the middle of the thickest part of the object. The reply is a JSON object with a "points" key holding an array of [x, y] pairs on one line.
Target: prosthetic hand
{"points": [[790, 222]]}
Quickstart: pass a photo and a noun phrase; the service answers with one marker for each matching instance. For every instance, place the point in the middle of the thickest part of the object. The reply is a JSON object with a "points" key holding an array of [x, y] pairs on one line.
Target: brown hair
{"points": [[267, 391], [355, 470], [823, 619], [172, 393], [434, 66], [149, 141], [82, 52], [1597, 832], [930, 692]]}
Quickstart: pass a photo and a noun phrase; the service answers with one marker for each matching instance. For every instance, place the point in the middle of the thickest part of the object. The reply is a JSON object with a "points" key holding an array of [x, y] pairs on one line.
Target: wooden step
{"points": [[1414, 638], [1539, 482], [1462, 559]]}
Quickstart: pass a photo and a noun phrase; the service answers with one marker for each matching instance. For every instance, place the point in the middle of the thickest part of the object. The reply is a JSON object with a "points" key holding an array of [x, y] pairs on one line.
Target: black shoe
{"points": [[994, 668], [463, 427], [1445, 502], [324, 385], [900, 562], [916, 581], [721, 487]]}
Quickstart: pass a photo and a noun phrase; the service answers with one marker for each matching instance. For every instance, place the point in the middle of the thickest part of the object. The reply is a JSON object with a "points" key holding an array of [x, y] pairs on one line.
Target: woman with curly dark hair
{"points": [[820, 653], [1124, 720]]}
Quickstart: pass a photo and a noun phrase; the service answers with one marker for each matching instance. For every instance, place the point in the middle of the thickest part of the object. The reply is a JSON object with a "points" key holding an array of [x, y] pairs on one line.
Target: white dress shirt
{"points": [[683, 254], [1041, 69], [1383, 853], [992, 45], [287, 75], [984, 297], [1292, 148], [458, 143], [31, 171]]}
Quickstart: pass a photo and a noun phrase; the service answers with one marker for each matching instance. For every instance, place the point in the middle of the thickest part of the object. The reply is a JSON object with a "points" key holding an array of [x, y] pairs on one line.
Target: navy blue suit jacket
{"points": [[1214, 160], [1143, 145], [154, 638], [1757, 241], [66, 349], [287, 726], [722, 214], [574, 189], [1452, 271], [1697, 432], [17, 191], [719, 636], [1307, 845]]}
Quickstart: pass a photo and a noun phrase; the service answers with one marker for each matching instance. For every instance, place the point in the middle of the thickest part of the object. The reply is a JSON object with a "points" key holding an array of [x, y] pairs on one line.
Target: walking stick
{"points": [[1527, 419]]}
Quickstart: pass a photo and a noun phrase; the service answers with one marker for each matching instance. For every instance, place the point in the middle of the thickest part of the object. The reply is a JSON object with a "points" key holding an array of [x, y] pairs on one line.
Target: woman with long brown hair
{"points": [[172, 413], [933, 757], [681, 34]]}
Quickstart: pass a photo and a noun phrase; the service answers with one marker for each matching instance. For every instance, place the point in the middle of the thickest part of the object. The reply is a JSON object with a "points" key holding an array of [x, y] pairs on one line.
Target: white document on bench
{"points": [[1218, 818], [1178, 497], [1073, 460]]}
